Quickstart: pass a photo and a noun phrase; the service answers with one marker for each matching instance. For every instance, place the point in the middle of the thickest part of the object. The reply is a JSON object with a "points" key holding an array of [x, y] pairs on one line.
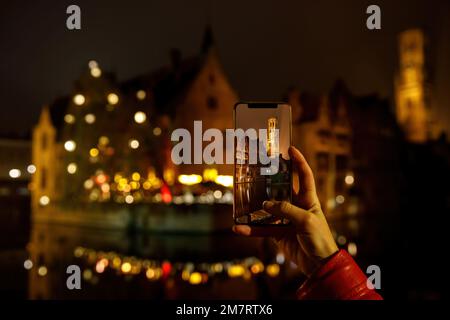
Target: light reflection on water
{"points": [[52, 246]]}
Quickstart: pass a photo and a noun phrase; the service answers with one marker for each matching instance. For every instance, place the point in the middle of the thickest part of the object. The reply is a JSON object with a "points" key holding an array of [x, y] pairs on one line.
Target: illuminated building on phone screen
{"points": [[273, 148]]}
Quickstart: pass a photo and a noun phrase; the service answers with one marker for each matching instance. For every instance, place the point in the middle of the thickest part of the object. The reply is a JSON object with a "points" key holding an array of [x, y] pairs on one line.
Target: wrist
{"points": [[321, 262]]}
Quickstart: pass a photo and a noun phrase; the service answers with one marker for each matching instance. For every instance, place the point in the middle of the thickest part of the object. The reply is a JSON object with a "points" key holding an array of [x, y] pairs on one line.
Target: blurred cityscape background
{"points": [[86, 176]]}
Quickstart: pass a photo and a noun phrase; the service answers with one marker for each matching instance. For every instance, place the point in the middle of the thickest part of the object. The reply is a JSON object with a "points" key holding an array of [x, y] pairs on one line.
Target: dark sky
{"points": [[265, 46]]}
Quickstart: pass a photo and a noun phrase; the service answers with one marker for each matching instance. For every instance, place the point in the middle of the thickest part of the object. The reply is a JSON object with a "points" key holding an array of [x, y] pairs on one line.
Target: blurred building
{"points": [[412, 94], [329, 127], [320, 128], [415, 109], [111, 141]]}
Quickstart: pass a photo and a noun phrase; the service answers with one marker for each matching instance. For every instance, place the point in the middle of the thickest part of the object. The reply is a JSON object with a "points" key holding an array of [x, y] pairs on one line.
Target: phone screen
{"points": [[262, 167]]}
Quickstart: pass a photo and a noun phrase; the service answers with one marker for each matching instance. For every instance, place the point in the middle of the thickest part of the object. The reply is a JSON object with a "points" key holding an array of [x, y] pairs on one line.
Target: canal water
{"points": [[114, 264]]}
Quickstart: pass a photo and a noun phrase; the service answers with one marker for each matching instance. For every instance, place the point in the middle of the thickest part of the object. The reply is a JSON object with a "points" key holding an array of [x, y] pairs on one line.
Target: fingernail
{"points": [[235, 229], [242, 230], [293, 149], [267, 204]]}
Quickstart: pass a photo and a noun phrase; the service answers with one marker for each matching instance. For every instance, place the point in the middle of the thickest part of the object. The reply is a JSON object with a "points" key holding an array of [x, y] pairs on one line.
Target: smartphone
{"points": [[262, 167]]}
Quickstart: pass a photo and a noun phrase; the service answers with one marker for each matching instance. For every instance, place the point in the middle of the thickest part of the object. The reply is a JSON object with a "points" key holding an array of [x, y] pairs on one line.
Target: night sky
{"points": [[265, 46]]}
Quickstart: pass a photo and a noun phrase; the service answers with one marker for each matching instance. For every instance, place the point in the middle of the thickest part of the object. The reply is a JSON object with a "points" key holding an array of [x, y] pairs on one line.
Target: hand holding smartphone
{"points": [[262, 167]]}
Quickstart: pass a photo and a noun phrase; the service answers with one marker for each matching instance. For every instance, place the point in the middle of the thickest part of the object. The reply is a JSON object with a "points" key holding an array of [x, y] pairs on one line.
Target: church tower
{"points": [[410, 87]]}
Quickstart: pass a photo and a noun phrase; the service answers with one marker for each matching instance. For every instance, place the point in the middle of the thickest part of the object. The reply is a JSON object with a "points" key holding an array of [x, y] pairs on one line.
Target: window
{"points": [[324, 135], [43, 178], [411, 46], [212, 78], [409, 104], [320, 183], [341, 163], [322, 161], [342, 138], [44, 141], [339, 184], [41, 259], [211, 102]]}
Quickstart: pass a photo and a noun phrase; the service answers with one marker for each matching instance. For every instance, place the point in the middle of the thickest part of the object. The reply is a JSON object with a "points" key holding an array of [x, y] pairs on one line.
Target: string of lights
{"points": [[192, 273]]}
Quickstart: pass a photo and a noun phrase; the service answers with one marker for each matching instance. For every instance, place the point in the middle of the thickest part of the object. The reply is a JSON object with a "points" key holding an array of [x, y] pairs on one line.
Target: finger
{"points": [[305, 174], [286, 210], [295, 184], [276, 232]]}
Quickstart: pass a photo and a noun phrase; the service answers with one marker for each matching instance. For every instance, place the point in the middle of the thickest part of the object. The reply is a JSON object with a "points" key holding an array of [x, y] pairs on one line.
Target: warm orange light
{"points": [[195, 278], [101, 178], [101, 265], [257, 268], [349, 179], [134, 144], [210, 174], [69, 118], [113, 98], [105, 187], [72, 168], [96, 72], [141, 94], [157, 131], [89, 118], [93, 152], [44, 200], [236, 270], [129, 199], [126, 267], [226, 181], [70, 145], [147, 185], [190, 179], [169, 176], [150, 274], [103, 140], [42, 271], [79, 99], [273, 270], [140, 117], [136, 176]]}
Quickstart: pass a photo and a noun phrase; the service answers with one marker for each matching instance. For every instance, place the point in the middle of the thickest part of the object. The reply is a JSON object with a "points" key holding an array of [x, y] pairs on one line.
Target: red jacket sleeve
{"points": [[339, 278]]}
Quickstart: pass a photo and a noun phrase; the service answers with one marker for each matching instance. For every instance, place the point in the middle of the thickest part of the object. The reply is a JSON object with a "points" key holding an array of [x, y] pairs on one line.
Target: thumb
{"points": [[284, 209]]}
